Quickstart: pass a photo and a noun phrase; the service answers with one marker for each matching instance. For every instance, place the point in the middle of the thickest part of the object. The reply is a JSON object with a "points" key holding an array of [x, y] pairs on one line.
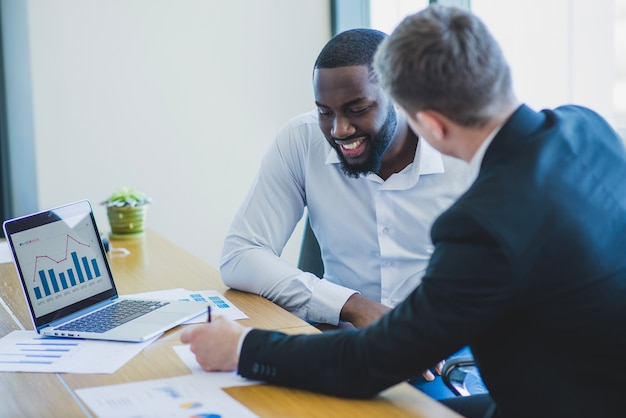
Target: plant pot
{"points": [[127, 222]]}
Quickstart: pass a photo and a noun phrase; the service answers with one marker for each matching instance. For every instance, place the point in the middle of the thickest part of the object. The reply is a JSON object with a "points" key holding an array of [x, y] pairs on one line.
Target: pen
{"points": [[208, 311]]}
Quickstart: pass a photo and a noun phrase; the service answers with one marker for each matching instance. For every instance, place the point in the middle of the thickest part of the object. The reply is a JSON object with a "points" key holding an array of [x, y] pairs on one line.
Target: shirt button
{"points": [[385, 230]]}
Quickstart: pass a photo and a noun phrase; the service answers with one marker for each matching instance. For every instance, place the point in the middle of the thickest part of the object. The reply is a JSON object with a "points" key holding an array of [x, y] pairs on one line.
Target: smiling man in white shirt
{"points": [[371, 187]]}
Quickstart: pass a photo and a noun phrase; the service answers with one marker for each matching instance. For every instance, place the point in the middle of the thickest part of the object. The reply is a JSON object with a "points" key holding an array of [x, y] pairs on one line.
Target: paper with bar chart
{"points": [[183, 396], [27, 351], [61, 265]]}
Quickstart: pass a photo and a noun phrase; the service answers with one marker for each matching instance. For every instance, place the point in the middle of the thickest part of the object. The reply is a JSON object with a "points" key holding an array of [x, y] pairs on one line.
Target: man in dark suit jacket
{"points": [[529, 267]]}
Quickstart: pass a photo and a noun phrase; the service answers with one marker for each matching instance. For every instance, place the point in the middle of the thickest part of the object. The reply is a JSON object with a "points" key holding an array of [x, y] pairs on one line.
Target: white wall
{"points": [[179, 98]]}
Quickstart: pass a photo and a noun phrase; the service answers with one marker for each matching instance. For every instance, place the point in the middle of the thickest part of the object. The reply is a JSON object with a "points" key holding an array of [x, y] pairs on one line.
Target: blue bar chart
{"points": [[68, 272], [53, 281]]}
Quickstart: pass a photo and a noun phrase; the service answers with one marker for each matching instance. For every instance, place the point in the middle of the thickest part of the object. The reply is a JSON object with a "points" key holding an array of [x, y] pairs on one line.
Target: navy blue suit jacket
{"points": [[529, 270]]}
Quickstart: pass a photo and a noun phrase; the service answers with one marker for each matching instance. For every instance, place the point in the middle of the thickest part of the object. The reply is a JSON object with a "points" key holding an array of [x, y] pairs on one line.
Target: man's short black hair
{"points": [[349, 48]]}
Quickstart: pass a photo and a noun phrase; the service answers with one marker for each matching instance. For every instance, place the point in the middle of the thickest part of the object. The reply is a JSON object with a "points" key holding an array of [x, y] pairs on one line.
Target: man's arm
{"points": [[465, 291], [266, 219], [353, 363]]}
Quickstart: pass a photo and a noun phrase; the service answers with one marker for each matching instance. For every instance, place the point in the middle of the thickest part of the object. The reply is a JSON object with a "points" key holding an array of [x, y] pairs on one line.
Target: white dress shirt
{"points": [[374, 234]]}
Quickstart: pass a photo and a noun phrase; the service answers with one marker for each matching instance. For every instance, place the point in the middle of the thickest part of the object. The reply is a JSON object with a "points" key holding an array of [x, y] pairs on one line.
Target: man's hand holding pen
{"points": [[216, 343]]}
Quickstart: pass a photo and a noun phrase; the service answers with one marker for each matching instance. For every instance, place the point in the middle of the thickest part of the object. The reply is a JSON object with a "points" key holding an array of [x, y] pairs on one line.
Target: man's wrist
{"points": [[351, 308], [242, 337], [326, 302], [361, 311]]}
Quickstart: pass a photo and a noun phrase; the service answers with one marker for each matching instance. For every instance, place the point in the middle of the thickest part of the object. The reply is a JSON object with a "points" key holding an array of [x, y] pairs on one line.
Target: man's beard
{"points": [[379, 145]]}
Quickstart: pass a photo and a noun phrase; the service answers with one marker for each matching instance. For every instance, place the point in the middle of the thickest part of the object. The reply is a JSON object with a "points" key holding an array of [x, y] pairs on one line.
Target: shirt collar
{"points": [[332, 157], [430, 161], [477, 159]]}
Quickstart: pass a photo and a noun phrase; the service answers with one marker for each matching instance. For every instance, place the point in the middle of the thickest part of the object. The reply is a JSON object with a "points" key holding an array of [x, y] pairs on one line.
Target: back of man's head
{"points": [[445, 59], [350, 48]]}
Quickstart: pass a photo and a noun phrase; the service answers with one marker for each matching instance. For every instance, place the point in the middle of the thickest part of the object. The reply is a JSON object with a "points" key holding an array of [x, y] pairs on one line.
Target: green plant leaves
{"points": [[127, 196]]}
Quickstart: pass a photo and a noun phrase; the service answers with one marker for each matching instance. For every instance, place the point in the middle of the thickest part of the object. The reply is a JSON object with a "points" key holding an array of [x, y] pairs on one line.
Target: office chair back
{"points": [[310, 258]]}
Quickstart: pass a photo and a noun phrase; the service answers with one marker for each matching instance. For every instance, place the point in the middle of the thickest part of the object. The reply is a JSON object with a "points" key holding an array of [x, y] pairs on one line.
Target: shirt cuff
{"points": [[243, 337], [327, 301]]}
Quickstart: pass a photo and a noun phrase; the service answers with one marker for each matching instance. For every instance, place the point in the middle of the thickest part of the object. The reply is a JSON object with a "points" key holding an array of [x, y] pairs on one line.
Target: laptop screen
{"points": [[60, 260]]}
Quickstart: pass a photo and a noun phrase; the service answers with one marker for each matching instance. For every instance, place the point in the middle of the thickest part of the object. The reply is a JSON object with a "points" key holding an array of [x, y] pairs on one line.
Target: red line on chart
{"points": [[67, 245]]}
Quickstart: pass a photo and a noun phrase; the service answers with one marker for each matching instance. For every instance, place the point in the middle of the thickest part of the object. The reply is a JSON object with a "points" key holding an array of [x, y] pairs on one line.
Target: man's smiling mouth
{"points": [[352, 145], [352, 148]]}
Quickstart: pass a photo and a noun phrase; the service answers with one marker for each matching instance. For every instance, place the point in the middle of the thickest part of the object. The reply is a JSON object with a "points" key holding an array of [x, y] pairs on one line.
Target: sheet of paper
{"points": [[183, 396], [219, 304], [5, 253], [220, 379], [27, 351]]}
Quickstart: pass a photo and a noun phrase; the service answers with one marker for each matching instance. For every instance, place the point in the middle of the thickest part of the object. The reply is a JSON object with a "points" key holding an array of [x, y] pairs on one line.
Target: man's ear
{"points": [[433, 123]]}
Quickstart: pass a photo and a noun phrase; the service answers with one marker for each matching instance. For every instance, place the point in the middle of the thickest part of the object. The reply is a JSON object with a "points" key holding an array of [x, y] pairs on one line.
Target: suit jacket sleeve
{"points": [[455, 302]]}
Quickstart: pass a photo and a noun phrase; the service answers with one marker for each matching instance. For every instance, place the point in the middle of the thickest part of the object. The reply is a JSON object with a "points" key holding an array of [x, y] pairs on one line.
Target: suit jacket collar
{"points": [[520, 125]]}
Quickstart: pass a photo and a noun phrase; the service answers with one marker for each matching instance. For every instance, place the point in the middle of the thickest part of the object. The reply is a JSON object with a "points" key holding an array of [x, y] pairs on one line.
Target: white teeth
{"points": [[353, 145]]}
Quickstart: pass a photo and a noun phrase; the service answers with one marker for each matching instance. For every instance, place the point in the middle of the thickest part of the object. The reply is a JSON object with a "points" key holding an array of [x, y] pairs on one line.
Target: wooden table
{"points": [[154, 263]]}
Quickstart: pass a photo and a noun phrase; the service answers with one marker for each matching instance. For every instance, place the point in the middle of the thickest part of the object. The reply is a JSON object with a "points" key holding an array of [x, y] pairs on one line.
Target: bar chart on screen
{"points": [[64, 267], [69, 272]]}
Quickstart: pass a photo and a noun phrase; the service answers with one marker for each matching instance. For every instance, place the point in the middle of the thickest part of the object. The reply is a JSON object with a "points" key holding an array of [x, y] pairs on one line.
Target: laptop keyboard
{"points": [[112, 316]]}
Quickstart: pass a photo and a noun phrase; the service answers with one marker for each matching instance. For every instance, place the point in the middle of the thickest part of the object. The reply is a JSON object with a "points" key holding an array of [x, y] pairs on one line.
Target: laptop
{"points": [[66, 278]]}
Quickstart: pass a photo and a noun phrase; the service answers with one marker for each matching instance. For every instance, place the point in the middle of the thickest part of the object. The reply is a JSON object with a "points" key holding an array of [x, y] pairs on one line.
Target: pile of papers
{"points": [[198, 394]]}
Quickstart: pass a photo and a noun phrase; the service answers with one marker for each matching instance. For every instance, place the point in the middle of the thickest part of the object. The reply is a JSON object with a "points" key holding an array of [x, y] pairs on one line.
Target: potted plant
{"points": [[126, 210]]}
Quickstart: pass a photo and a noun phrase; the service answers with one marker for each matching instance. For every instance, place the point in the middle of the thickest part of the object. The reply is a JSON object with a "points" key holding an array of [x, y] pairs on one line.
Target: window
{"points": [[619, 91], [560, 51], [386, 14]]}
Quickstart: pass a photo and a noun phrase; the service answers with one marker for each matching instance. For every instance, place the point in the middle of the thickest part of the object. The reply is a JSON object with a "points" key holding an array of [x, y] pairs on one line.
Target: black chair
{"points": [[461, 375], [310, 258]]}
